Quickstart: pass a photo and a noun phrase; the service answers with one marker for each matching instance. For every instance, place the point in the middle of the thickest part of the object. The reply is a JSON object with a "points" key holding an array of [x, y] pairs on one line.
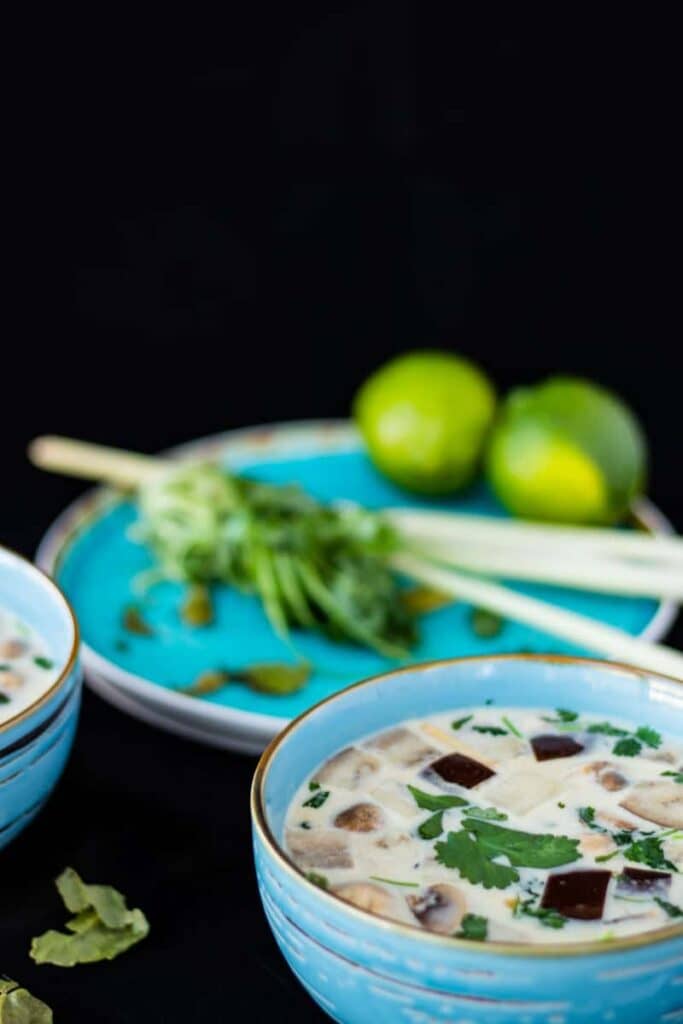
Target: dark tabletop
{"points": [[220, 237]]}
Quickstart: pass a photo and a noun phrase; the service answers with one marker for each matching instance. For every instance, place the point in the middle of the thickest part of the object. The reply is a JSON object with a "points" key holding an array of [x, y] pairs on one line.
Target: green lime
{"points": [[567, 451], [424, 417]]}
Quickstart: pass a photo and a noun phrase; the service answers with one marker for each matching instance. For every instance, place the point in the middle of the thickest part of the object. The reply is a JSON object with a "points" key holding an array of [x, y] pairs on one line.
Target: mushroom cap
{"points": [[319, 849], [659, 802], [440, 908], [348, 769], [366, 896], [361, 817]]}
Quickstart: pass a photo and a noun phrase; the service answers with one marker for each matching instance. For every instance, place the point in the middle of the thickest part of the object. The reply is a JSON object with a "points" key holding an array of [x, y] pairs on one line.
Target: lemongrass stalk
{"points": [[577, 629], [93, 461], [474, 529], [604, 575]]}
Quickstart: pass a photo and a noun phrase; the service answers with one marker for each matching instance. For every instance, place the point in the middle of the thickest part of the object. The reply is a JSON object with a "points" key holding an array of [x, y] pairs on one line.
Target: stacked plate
{"points": [[100, 566]]}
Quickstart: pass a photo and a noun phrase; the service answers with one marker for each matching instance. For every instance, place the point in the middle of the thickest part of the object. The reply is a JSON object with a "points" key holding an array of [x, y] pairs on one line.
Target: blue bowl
{"points": [[35, 743], [360, 968]]}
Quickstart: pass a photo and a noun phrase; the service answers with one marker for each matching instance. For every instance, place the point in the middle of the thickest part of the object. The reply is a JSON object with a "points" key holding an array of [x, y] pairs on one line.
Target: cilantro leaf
{"points": [[493, 730], [563, 715], [671, 909], [676, 776], [650, 737], [473, 926], [432, 827], [628, 747], [546, 915], [461, 852], [319, 880], [318, 798], [649, 851], [486, 813], [459, 722], [523, 849], [512, 727], [606, 729], [432, 802]]}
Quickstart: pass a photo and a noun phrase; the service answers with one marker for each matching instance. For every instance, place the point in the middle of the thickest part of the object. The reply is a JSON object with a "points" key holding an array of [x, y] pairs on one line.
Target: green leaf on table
{"points": [[523, 849], [463, 853], [433, 802], [17, 1006], [101, 929]]}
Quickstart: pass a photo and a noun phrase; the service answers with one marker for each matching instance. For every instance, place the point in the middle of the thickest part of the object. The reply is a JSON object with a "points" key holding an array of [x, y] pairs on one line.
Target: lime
{"points": [[424, 417], [568, 451]]}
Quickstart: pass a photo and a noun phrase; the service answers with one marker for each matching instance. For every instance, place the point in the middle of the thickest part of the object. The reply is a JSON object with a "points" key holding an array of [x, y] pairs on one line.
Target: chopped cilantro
{"points": [[563, 715], [313, 785], [305, 824], [486, 813], [606, 729], [523, 849], [43, 662], [459, 722], [4, 699], [587, 815], [513, 728], [493, 730], [318, 880], [432, 802], [650, 737], [546, 915], [649, 851], [560, 804], [676, 776], [432, 827], [463, 853], [473, 926], [318, 799], [628, 747], [671, 909]]}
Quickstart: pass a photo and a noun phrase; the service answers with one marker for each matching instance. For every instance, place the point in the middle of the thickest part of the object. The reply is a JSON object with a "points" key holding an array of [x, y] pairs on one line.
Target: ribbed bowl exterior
{"points": [[362, 970], [35, 744]]}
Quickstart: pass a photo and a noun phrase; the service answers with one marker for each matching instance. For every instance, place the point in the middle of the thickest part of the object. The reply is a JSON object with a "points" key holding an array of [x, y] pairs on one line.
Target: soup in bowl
{"points": [[491, 839], [40, 690]]}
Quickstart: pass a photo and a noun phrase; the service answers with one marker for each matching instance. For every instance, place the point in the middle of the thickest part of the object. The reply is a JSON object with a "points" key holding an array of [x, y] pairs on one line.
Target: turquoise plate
{"points": [[94, 560]]}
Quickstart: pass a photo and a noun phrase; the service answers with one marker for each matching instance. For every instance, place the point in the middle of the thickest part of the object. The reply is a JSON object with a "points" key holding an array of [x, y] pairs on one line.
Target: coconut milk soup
{"points": [[508, 824], [26, 668]]}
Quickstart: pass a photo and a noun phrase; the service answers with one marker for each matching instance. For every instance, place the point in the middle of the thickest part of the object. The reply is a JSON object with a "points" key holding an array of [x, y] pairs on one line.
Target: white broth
{"points": [[27, 669], [506, 824]]}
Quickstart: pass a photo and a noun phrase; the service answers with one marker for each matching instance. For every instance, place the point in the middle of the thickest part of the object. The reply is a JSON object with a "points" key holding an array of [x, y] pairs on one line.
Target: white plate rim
{"points": [[336, 435]]}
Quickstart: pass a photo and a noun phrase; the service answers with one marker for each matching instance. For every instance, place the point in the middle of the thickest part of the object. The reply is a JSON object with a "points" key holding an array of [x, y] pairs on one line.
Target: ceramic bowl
{"points": [[364, 969], [35, 743]]}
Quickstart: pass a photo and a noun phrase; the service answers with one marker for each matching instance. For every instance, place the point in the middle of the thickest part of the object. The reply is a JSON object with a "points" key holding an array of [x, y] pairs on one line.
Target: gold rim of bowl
{"points": [[383, 925], [70, 662]]}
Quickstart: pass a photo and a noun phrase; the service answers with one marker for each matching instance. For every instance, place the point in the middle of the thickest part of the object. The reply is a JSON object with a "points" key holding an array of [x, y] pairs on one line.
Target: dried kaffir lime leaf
{"points": [[275, 677], [133, 622], [17, 1006], [101, 929], [198, 608]]}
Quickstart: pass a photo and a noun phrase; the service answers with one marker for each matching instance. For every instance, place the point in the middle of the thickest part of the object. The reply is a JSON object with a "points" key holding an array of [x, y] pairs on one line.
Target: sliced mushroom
{"points": [[551, 746], [348, 769], [403, 747], [660, 802], [595, 844], [457, 770], [12, 648], [360, 818], [319, 849], [392, 839], [10, 680], [366, 896], [611, 779], [394, 796], [440, 908], [520, 792]]}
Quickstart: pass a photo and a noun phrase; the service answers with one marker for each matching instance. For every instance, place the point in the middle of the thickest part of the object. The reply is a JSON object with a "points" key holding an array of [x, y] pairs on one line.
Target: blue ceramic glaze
{"points": [[35, 744], [363, 969], [99, 567]]}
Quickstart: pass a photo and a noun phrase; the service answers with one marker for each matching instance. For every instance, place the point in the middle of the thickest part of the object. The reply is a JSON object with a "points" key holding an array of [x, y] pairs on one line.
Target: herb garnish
{"points": [[394, 881], [493, 730], [313, 785], [432, 802], [676, 776], [486, 813], [463, 852], [198, 608], [4, 699], [318, 798], [671, 909], [459, 722], [432, 827], [629, 745], [18, 1006], [473, 926], [485, 624], [563, 715], [523, 849], [133, 621], [546, 915], [42, 662], [512, 727], [318, 880], [649, 851]]}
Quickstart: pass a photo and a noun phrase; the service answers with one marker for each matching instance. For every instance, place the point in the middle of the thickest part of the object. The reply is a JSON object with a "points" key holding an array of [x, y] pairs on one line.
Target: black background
{"points": [[220, 225]]}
